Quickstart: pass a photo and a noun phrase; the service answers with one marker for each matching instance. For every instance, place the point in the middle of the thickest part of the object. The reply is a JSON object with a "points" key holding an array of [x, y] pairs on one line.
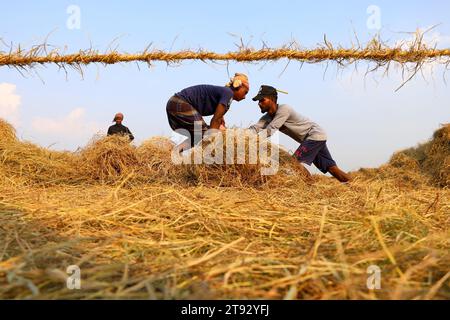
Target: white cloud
{"points": [[9, 103], [73, 125]]}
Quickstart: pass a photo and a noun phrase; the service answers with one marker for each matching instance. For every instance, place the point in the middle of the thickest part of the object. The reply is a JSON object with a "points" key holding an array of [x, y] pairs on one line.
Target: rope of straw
{"points": [[23, 59]]}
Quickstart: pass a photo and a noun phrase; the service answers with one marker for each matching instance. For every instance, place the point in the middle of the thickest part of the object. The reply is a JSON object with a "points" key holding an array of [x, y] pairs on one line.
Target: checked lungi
{"points": [[315, 152], [182, 115]]}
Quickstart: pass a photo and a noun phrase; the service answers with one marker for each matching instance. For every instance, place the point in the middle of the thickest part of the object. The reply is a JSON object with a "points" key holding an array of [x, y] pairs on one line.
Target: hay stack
{"points": [[437, 163], [238, 170], [433, 157], [401, 160], [7, 131], [154, 156], [401, 170], [109, 158], [428, 163], [38, 165], [34, 164]]}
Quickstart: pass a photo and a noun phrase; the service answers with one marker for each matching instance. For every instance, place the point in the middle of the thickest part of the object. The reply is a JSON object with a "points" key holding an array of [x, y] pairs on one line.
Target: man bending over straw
{"points": [[188, 107], [312, 138]]}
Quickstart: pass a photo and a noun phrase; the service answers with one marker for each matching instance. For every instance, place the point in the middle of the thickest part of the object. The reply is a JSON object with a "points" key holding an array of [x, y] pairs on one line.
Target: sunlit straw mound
{"points": [[424, 164], [34, 164], [402, 170], [433, 157], [7, 131], [38, 165], [109, 158], [401, 160], [437, 163], [154, 156], [238, 158]]}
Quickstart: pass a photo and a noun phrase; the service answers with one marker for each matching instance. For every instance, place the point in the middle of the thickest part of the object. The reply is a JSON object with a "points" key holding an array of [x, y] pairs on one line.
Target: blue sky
{"points": [[365, 119]]}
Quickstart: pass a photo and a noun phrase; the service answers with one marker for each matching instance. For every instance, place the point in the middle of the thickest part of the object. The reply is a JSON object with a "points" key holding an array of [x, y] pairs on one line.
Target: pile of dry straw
{"points": [[140, 227], [109, 159], [427, 163]]}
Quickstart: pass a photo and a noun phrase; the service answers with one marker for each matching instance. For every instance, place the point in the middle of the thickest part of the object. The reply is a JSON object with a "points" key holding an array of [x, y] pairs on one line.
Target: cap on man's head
{"points": [[118, 116], [266, 91]]}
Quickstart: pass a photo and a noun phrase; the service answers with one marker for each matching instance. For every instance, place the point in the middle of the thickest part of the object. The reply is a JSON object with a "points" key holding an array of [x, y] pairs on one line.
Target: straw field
{"points": [[140, 227]]}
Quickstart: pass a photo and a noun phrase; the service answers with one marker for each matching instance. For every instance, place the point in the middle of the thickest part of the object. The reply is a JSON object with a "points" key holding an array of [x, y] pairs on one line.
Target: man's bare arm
{"points": [[217, 119]]}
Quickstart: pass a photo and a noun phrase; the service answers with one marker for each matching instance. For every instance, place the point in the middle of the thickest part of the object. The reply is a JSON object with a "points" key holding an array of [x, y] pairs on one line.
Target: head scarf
{"points": [[238, 80]]}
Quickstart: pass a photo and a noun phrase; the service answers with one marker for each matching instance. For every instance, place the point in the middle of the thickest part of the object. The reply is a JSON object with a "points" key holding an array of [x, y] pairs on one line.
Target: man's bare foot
{"points": [[339, 174]]}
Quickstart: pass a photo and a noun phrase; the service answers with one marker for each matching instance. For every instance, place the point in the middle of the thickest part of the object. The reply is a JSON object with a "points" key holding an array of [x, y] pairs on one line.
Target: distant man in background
{"points": [[119, 128], [312, 138]]}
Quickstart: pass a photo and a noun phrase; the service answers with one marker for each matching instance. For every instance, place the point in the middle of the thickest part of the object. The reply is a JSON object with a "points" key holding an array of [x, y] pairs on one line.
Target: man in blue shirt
{"points": [[190, 105]]}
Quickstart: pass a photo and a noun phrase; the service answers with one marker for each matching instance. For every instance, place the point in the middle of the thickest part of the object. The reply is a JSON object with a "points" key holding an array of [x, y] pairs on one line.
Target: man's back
{"points": [[205, 98]]}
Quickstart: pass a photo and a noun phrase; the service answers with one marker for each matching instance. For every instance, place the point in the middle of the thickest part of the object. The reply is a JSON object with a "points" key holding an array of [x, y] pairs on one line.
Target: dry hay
{"points": [[401, 170], [39, 165], [437, 161], [155, 160], [236, 165], [426, 163], [163, 240], [167, 242], [109, 158], [432, 158], [7, 131], [113, 158]]}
